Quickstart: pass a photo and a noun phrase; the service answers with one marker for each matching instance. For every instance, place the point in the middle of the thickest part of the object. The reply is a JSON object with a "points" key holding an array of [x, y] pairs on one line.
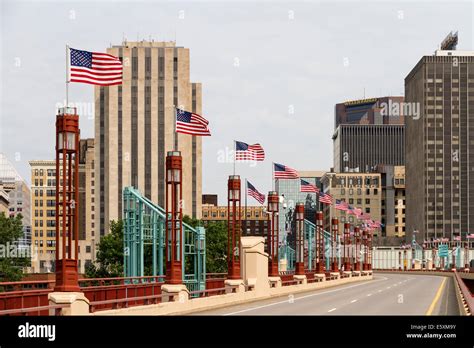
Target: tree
{"points": [[109, 261], [12, 261], [216, 244], [216, 247]]}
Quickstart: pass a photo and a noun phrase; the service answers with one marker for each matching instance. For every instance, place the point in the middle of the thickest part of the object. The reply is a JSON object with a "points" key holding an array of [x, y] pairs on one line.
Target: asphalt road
{"points": [[386, 294]]}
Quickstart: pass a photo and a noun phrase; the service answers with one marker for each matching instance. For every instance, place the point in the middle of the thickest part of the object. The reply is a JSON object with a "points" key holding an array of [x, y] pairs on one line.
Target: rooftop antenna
{"points": [[364, 92]]}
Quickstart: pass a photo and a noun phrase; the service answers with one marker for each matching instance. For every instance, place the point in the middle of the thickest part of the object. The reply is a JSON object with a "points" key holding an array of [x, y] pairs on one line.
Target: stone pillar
{"points": [[174, 293], [76, 303], [254, 265]]}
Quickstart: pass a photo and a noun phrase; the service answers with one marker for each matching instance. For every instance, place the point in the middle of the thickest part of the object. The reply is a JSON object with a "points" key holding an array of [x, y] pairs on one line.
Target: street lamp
{"points": [[67, 197], [299, 269], [347, 265], [335, 231], [319, 242], [272, 208], [369, 251], [233, 227], [364, 243], [174, 218], [357, 242]]}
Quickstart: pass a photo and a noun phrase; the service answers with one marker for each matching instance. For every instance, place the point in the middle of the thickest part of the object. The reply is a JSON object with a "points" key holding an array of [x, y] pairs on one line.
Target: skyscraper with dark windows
{"points": [[440, 145], [134, 128]]}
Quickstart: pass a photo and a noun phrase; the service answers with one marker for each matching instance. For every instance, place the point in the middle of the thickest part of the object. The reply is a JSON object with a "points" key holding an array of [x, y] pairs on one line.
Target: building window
{"points": [[351, 201], [367, 201]]}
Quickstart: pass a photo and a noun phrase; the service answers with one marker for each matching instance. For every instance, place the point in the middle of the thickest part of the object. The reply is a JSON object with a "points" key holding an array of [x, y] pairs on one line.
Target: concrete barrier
{"points": [[220, 301]]}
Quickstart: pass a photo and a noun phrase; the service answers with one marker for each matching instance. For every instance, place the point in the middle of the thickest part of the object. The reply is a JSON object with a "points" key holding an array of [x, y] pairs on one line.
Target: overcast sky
{"points": [[271, 71]]}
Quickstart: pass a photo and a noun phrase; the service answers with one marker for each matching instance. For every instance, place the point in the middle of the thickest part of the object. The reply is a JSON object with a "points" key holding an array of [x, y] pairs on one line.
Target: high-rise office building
{"points": [[87, 211], [360, 148], [440, 145], [19, 197], [43, 202], [369, 132], [360, 190], [393, 202], [134, 128], [382, 110]]}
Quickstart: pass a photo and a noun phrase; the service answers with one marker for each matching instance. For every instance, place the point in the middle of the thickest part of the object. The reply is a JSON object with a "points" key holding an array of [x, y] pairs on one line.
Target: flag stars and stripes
{"points": [[191, 123], [246, 152], [308, 187], [94, 68], [325, 198], [253, 192], [283, 172]]}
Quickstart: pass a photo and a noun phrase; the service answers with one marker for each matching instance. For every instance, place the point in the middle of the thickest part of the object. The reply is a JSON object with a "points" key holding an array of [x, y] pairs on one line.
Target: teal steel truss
{"points": [[288, 253], [144, 227]]}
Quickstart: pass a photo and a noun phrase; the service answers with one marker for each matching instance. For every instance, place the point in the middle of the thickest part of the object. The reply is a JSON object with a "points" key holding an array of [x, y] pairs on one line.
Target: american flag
{"points": [[341, 205], [470, 236], [246, 152], [307, 187], [357, 212], [191, 123], [325, 198], [284, 172], [252, 191], [364, 216], [94, 68], [457, 238], [350, 210]]}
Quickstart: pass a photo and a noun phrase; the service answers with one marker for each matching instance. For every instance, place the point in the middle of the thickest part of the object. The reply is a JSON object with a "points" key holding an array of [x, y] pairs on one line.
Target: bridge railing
{"points": [[467, 296]]}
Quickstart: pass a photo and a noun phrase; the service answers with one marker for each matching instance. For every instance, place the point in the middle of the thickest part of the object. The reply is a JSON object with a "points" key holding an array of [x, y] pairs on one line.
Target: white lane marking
{"points": [[369, 294], [332, 310], [353, 301], [302, 297]]}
